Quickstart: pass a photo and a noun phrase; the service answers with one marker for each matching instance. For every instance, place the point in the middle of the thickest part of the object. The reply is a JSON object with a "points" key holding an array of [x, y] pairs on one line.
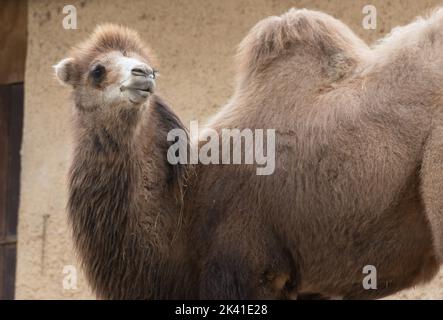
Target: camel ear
{"points": [[64, 71]]}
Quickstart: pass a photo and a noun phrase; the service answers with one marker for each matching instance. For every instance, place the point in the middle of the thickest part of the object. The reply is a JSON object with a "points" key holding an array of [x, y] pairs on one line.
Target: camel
{"points": [[357, 180]]}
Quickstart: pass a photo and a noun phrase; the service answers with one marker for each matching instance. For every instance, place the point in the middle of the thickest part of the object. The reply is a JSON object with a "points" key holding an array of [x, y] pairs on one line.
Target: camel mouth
{"points": [[143, 91], [138, 94], [137, 89]]}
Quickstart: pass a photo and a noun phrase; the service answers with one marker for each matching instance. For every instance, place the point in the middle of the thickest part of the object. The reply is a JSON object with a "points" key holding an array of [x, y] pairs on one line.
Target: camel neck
{"points": [[124, 214], [103, 176]]}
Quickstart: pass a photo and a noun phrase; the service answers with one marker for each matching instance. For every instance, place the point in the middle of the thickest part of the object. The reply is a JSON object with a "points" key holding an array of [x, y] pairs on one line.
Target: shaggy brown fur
{"points": [[357, 180]]}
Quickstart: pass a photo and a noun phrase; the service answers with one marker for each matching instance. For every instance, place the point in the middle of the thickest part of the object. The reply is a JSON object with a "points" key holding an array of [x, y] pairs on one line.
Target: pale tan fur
{"points": [[359, 168]]}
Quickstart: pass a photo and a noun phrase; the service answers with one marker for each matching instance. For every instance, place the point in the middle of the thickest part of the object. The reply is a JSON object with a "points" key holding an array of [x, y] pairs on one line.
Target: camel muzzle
{"points": [[138, 88]]}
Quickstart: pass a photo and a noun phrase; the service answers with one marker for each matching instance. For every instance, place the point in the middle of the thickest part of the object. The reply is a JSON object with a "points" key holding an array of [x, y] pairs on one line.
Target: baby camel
{"points": [[358, 173]]}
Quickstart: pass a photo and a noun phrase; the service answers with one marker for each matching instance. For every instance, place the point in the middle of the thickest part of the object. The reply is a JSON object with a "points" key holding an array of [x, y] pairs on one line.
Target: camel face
{"points": [[111, 79], [112, 70]]}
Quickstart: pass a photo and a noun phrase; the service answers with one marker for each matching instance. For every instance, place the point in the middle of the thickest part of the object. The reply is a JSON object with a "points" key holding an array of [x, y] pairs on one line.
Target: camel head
{"points": [[111, 71]]}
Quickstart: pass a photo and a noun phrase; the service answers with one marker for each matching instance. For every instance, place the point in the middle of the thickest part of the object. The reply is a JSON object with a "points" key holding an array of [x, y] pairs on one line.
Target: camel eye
{"points": [[98, 73]]}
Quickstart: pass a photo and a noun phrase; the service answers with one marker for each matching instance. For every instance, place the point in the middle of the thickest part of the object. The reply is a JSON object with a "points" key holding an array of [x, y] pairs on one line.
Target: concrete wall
{"points": [[195, 41]]}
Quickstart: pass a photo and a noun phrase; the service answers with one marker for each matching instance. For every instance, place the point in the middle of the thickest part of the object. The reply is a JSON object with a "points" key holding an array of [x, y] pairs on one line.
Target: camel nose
{"points": [[142, 71]]}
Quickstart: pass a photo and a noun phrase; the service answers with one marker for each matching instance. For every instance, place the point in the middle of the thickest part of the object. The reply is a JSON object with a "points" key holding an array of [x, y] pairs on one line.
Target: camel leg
{"points": [[246, 266], [432, 186], [226, 277]]}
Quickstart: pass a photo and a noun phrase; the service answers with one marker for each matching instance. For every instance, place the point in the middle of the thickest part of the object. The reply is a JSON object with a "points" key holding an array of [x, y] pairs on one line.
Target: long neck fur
{"points": [[124, 205]]}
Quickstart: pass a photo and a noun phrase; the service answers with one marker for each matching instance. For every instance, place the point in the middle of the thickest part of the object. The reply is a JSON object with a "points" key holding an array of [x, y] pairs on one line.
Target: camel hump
{"points": [[298, 30]]}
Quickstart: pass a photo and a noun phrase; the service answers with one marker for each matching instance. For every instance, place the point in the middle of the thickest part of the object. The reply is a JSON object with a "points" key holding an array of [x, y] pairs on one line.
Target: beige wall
{"points": [[195, 41]]}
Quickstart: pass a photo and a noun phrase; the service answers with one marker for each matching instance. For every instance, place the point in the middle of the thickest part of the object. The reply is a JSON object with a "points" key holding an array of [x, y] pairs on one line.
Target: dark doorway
{"points": [[11, 123], [13, 39]]}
